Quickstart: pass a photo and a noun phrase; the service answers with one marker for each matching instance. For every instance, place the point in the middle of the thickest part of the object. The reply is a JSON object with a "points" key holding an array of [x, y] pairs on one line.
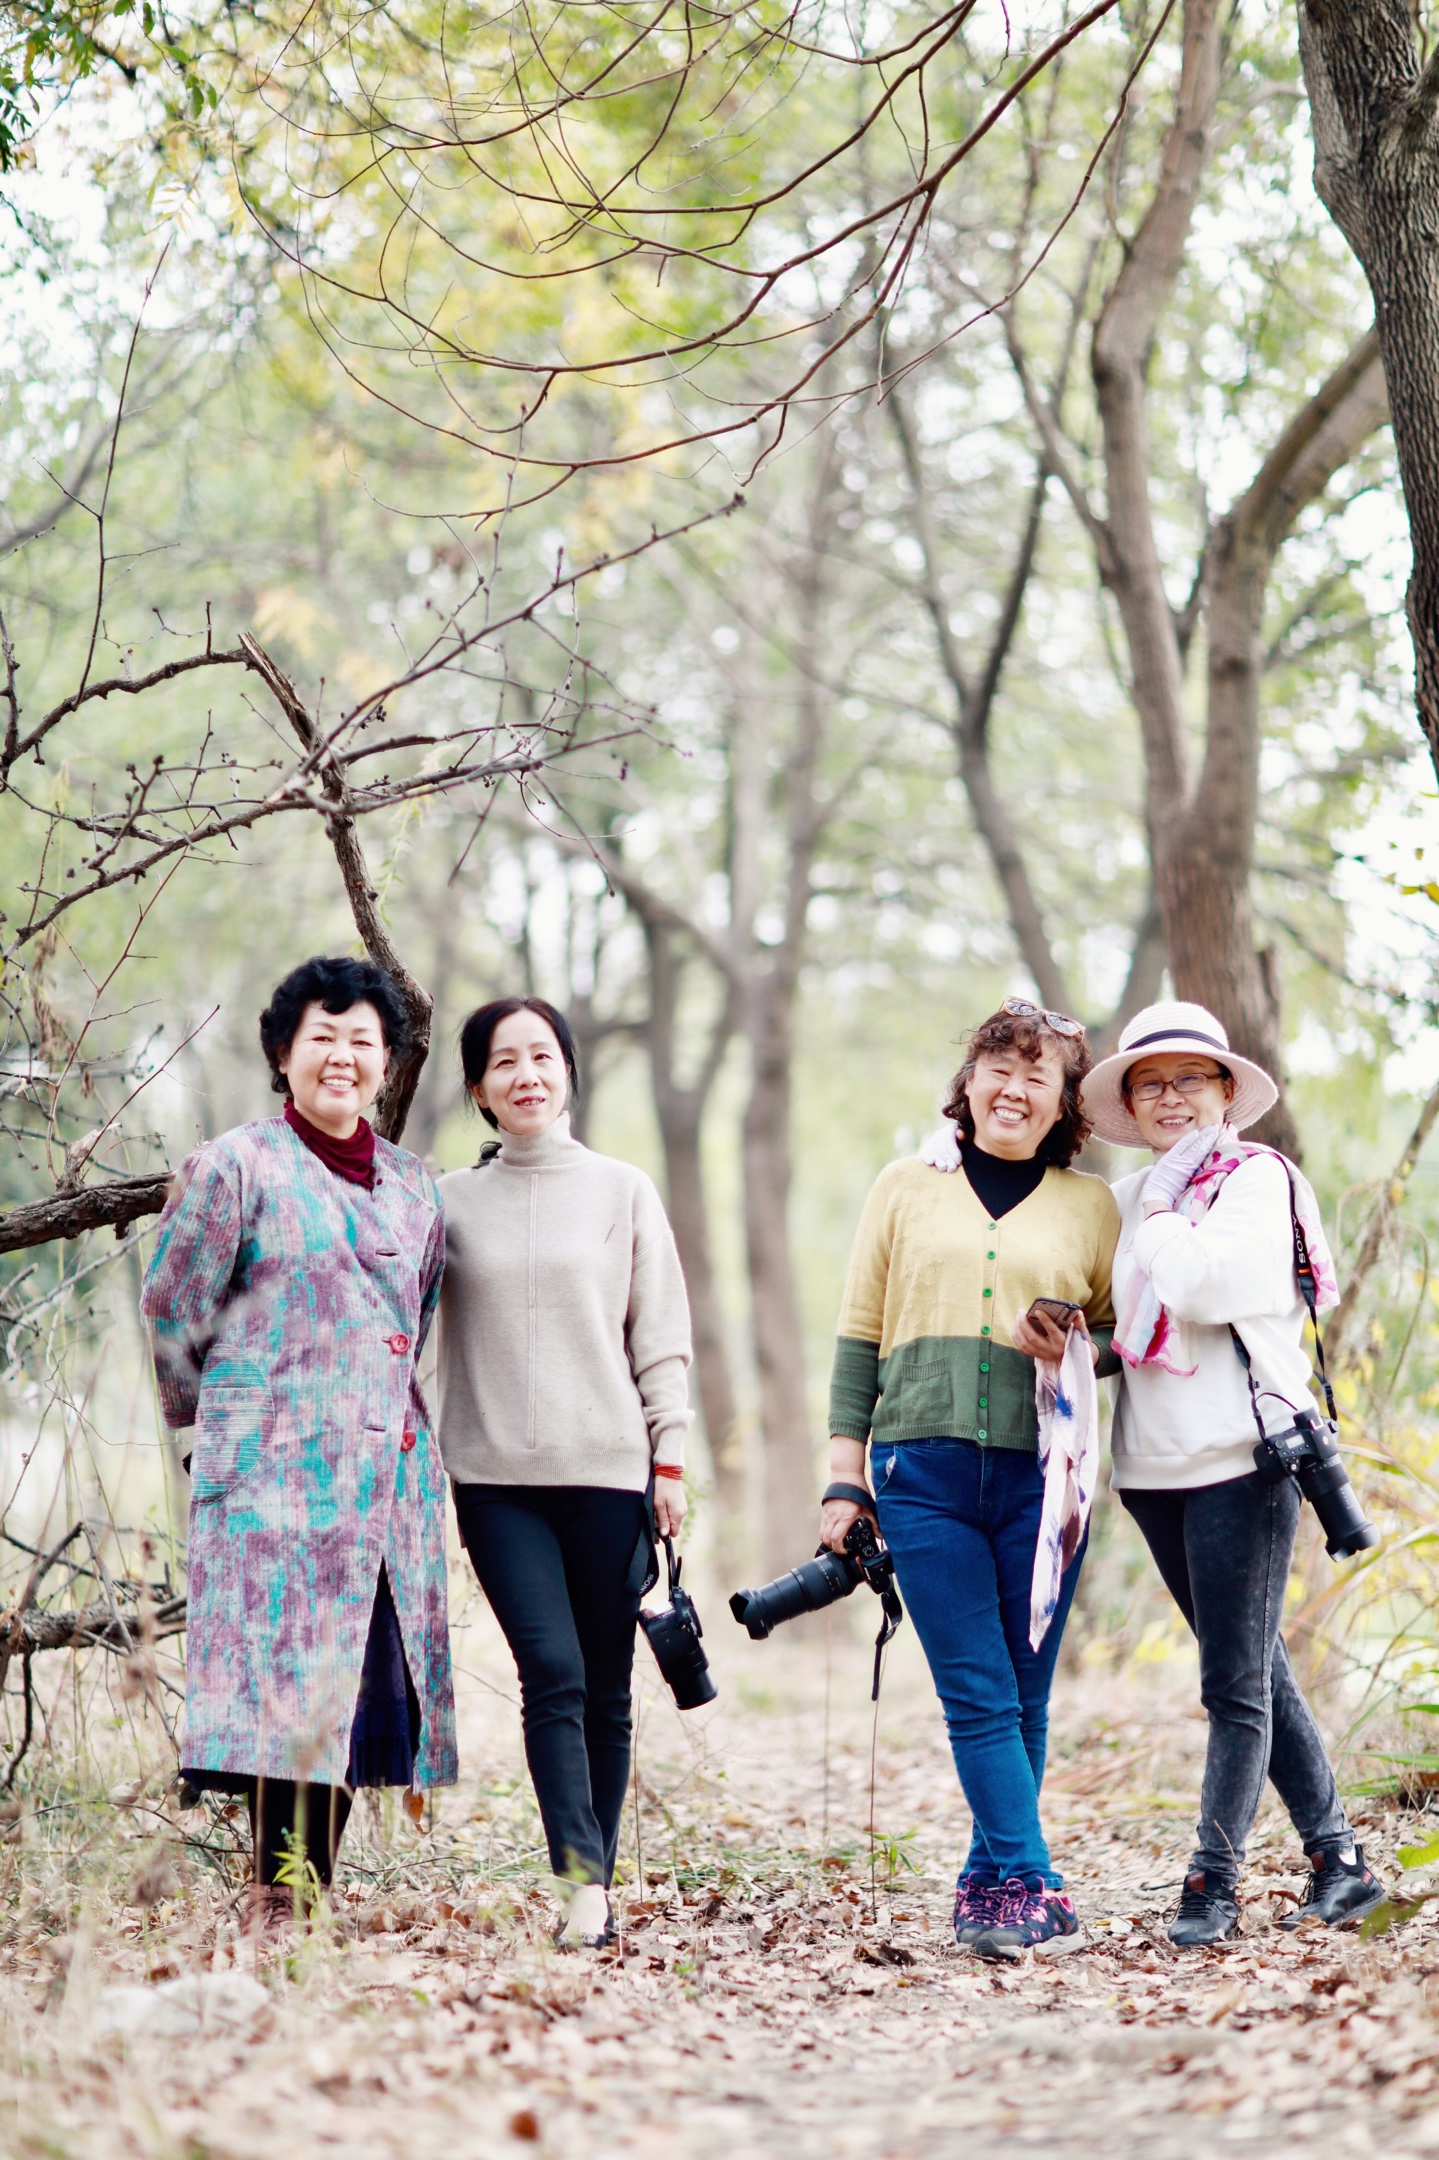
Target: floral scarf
{"points": [[1148, 1334], [1067, 1401]]}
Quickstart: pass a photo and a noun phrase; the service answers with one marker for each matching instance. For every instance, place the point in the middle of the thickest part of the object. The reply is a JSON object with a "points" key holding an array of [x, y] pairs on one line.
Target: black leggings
{"points": [[561, 1566], [287, 1819], [1224, 1552]]}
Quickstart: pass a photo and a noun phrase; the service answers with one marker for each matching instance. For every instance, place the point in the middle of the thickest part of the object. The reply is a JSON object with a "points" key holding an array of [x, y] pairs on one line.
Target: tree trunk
{"points": [[1201, 838], [771, 979], [789, 1488], [974, 699], [680, 1112], [1376, 167], [689, 1219], [1211, 863]]}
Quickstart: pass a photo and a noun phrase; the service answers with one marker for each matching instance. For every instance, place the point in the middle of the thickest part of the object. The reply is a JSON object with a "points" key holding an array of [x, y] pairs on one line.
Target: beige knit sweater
{"points": [[564, 1332]]}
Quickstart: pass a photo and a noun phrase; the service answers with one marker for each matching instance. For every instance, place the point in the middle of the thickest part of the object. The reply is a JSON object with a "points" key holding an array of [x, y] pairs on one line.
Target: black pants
{"points": [[296, 1821], [558, 1564], [1224, 1552]]}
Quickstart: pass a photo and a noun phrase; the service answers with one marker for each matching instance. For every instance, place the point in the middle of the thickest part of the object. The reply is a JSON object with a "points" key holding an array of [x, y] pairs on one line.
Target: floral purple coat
{"points": [[286, 1311]]}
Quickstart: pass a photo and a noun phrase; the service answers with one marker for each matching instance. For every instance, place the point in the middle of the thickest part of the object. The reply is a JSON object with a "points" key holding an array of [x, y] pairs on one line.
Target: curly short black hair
{"points": [[476, 1034], [336, 983], [1013, 1031]]}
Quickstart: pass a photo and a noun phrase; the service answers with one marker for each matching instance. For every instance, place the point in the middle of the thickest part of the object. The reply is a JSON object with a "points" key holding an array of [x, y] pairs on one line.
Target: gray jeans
{"points": [[1224, 1552]]}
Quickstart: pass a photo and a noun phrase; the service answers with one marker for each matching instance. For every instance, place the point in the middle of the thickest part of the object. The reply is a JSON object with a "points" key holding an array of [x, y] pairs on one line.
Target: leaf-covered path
{"points": [[759, 2003]]}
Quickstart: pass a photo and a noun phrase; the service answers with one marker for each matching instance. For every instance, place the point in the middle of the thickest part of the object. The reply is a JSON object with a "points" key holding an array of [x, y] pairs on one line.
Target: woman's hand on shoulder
{"points": [[940, 1149], [671, 1506]]}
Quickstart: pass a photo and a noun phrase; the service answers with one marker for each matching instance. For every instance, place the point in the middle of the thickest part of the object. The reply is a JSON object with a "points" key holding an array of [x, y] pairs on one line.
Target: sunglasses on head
{"points": [[1021, 1009]]}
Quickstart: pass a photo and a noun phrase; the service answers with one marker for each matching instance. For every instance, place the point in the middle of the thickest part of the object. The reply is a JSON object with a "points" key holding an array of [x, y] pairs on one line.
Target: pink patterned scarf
{"points": [[1147, 1333]]}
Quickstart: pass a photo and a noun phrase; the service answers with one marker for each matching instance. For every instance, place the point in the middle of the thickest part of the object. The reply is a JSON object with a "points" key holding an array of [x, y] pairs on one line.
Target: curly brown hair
{"points": [[1011, 1031]]}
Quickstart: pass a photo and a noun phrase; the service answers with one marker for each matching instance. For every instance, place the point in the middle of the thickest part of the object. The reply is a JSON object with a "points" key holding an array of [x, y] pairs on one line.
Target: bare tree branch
{"points": [[974, 701], [403, 1074], [1390, 1197], [118, 1203]]}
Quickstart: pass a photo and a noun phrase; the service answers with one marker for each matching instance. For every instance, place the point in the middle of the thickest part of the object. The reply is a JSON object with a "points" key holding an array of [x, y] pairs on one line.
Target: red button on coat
{"points": [[398, 1343], [408, 1442]]}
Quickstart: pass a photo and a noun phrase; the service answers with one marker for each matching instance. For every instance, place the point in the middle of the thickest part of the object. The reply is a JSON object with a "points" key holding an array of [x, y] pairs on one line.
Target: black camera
{"points": [[674, 1632], [823, 1581], [1309, 1452]]}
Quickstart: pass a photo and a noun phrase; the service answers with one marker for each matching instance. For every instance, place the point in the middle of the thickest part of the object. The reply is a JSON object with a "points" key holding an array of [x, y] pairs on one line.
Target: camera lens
{"points": [[1327, 1488], [807, 1588]]}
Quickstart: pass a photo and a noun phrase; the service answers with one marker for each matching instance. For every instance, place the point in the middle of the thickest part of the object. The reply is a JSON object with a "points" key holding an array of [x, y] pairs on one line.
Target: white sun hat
{"points": [[1162, 1031]]}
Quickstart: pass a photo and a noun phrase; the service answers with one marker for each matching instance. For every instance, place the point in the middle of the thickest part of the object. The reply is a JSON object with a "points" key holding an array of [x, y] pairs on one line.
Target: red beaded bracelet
{"points": [[669, 1469]]}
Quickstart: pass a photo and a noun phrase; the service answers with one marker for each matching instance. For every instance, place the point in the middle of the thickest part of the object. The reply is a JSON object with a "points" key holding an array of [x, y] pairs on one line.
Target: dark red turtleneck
{"points": [[352, 1159]]}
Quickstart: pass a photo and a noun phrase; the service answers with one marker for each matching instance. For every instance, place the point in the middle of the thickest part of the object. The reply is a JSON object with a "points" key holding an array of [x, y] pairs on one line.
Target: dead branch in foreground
{"points": [[89, 1627], [120, 1201]]}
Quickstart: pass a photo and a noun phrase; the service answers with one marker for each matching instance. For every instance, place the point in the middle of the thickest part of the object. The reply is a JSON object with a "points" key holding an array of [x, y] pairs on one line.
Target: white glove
{"points": [[941, 1149], [1166, 1182]]}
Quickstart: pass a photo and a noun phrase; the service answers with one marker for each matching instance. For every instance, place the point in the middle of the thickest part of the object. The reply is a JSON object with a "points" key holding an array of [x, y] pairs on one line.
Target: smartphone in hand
{"points": [[1060, 1310]]}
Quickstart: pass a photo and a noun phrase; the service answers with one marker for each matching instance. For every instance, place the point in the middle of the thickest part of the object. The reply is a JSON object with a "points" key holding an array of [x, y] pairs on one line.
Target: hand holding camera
{"points": [[821, 1581]]}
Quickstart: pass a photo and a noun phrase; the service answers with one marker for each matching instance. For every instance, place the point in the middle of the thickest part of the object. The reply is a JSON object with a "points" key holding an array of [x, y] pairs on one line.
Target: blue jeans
{"points": [[962, 1522]]}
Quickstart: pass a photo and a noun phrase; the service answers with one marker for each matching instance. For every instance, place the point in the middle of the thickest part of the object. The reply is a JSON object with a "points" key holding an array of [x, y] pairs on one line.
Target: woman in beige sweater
{"points": [[563, 1346]]}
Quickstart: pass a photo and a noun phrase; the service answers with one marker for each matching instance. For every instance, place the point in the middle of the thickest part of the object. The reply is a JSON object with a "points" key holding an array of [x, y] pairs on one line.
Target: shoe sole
{"points": [[1308, 1919], [1003, 1953], [1360, 1912]]}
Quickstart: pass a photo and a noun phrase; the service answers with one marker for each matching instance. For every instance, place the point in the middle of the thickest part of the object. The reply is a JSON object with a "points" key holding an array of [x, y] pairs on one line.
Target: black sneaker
{"points": [[1339, 1892], [1204, 1915]]}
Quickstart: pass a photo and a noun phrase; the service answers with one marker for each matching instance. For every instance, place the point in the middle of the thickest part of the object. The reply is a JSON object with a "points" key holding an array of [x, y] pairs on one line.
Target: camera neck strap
{"points": [[892, 1613], [1308, 1290]]}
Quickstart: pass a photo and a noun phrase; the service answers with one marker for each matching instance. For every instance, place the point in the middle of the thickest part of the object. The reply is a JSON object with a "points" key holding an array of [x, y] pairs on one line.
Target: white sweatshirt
{"points": [[1235, 1264], [564, 1325]]}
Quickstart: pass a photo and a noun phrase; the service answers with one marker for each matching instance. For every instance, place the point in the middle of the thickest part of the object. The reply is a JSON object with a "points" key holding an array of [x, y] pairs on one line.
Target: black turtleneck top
{"points": [[999, 1183]]}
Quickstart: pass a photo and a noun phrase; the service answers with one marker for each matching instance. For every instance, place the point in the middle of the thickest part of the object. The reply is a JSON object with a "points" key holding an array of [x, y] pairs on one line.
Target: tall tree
{"points": [[1374, 98], [1200, 814]]}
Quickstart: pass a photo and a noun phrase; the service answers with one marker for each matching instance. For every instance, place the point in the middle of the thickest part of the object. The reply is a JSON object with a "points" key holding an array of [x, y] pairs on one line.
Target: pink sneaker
{"points": [[976, 1907], [1025, 1919]]}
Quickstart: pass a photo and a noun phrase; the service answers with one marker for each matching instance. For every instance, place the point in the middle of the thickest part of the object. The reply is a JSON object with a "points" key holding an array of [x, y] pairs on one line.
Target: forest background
{"points": [[685, 578]]}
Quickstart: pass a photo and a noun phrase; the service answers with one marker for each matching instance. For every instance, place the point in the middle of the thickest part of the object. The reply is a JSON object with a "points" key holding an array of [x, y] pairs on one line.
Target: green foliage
{"points": [[47, 50]]}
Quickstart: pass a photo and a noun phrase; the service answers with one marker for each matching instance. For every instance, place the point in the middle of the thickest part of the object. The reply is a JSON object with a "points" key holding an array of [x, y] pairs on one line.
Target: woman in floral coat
{"points": [[295, 1276]]}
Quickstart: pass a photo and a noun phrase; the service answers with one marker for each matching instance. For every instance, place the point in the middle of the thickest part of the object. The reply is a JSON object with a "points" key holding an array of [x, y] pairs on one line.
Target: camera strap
{"points": [[673, 1564], [859, 1496], [1308, 1290], [893, 1613]]}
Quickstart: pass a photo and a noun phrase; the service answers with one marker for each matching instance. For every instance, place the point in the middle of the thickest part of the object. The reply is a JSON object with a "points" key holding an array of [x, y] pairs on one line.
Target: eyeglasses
{"points": [[1187, 1084], [1021, 1009]]}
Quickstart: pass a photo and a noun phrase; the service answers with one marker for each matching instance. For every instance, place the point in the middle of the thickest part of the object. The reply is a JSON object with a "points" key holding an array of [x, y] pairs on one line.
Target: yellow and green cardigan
{"points": [[926, 1330]]}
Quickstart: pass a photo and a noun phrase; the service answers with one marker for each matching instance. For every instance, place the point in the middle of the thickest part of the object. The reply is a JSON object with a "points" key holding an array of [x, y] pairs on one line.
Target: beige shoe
{"points": [[589, 1923]]}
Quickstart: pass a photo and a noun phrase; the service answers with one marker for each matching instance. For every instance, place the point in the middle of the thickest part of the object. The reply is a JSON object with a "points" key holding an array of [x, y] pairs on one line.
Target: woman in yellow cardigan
{"points": [[934, 1371]]}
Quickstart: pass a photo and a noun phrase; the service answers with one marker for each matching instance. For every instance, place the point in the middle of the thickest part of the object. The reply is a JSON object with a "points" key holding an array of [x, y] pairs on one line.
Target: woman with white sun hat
{"points": [[1205, 1263]]}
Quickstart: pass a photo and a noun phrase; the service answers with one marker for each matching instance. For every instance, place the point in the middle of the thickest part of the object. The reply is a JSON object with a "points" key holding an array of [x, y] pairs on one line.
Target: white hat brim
{"points": [[1102, 1091]]}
